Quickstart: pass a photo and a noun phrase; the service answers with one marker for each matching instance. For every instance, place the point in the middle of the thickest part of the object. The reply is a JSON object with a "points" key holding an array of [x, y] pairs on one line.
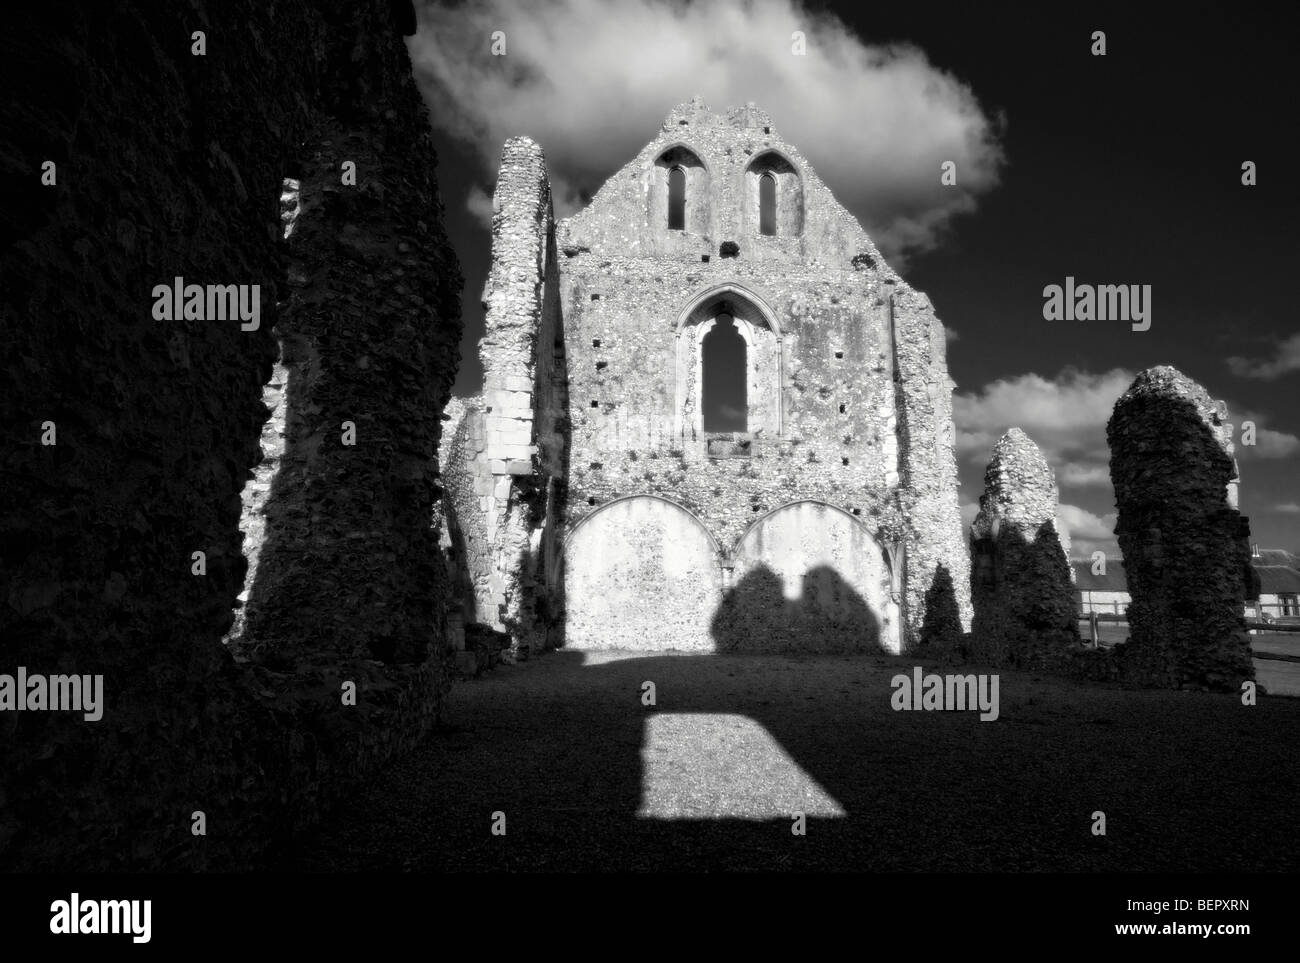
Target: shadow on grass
{"points": [[559, 746]]}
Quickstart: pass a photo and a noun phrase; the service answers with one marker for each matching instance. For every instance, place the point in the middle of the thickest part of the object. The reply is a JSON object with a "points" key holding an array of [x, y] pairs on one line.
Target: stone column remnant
{"points": [[1020, 581], [1186, 547]]}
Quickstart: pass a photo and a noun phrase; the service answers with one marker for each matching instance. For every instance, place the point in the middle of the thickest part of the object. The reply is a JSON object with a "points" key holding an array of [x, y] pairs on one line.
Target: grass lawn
{"points": [[590, 779]]}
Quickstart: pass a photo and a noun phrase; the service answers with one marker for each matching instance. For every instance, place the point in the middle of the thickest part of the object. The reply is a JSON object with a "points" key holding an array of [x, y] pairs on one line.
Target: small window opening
{"points": [[767, 204], [677, 199], [724, 401]]}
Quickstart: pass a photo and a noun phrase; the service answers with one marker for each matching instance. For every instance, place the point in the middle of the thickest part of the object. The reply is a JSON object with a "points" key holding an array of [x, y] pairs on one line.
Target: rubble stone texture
{"points": [[849, 408], [1025, 615], [1186, 547], [506, 466], [171, 164]]}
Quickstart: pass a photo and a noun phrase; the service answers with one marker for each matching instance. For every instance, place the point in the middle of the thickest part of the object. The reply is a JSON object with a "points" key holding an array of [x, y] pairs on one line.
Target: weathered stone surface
{"points": [[506, 466], [173, 165], [1020, 580], [847, 391], [1186, 547]]}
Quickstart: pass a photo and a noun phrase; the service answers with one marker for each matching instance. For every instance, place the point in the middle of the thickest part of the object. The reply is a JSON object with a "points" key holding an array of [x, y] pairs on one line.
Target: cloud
{"points": [[1088, 532], [1271, 444], [479, 203], [1287, 508], [1066, 417], [1081, 474], [592, 80], [1285, 360], [1081, 523]]}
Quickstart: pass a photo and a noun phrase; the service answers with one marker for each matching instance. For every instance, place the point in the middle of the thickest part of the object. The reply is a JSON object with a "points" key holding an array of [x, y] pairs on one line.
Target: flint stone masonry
{"points": [[849, 403], [171, 164], [1025, 613], [507, 463], [1186, 547]]}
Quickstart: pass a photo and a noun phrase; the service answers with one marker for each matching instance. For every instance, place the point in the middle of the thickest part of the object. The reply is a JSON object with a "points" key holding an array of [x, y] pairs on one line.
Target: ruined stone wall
{"points": [[838, 441], [806, 577], [370, 333], [512, 456], [1025, 614], [936, 564], [849, 396], [626, 217], [468, 484], [456, 488], [1186, 547], [637, 549], [170, 164]]}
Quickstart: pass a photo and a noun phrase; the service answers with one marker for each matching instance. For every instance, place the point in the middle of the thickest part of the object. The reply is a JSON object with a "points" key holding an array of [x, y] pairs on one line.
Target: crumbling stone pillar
{"points": [[1020, 582], [510, 448], [368, 337], [935, 558], [1186, 547]]}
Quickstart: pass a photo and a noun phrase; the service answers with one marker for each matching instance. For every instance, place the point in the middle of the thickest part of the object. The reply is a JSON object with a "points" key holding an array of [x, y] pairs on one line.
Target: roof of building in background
{"points": [[1279, 574], [1277, 556], [1278, 580]]}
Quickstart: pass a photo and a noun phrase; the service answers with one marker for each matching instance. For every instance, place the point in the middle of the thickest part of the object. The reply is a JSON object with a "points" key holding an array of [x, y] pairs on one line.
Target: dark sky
{"points": [[1122, 169]]}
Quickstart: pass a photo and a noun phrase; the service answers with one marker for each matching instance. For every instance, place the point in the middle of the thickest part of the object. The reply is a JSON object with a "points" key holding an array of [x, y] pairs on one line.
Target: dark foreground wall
{"points": [[167, 165]]}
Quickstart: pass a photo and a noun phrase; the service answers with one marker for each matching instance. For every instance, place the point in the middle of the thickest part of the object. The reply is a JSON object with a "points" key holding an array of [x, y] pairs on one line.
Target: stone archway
{"points": [[808, 577], [640, 573]]}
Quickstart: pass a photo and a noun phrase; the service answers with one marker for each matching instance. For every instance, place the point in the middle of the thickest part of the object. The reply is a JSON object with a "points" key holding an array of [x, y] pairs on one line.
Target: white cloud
{"points": [[1087, 531], [1271, 444], [1065, 416], [1081, 523], [592, 80], [1287, 508], [1286, 359], [479, 203], [1082, 474]]}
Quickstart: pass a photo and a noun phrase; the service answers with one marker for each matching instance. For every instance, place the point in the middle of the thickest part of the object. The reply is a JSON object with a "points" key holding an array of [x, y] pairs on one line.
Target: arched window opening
{"points": [[724, 400], [767, 204], [773, 197], [677, 199]]}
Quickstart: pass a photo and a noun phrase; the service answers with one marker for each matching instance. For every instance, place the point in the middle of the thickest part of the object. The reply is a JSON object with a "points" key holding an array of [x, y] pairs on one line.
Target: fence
{"points": [[1272, 623]]}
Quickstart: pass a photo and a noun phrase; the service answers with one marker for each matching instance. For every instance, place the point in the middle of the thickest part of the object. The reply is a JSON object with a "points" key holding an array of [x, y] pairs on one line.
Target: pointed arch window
{"points": [[677, 198], [723, 376], [767, 204]]}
